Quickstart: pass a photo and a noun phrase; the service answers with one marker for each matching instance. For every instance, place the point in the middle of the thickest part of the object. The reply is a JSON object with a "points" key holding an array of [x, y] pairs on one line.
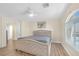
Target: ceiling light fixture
{"points": [[31, 14], [28, 12]]}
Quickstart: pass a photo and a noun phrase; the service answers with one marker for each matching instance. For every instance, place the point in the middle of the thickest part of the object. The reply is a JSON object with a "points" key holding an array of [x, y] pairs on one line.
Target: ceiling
{"points": [[15, 10]]}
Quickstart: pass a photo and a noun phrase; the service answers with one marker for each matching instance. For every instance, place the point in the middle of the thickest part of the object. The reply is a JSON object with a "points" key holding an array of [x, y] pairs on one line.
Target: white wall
{"points": [[2, 32], [4, 21], [26, 28]]}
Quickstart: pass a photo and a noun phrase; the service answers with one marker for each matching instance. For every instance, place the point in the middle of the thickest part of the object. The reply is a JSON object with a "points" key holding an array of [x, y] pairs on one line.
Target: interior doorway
{"points": [[9, 33]]}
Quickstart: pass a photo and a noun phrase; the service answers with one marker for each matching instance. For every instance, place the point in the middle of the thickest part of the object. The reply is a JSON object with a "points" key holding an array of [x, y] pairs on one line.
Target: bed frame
{"points": [[35, 47]]}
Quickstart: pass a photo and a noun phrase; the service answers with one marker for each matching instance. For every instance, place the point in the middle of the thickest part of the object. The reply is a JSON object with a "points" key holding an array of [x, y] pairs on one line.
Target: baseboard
{"points": [[66, 49], [70, 50], [56, 42]]}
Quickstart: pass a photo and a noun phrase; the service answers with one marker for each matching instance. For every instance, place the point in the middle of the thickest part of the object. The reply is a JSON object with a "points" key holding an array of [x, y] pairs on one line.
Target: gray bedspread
{"points": [[40, 35], [44, 39]]}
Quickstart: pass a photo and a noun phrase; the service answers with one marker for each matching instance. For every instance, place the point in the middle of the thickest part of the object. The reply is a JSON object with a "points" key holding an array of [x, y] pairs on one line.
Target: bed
{"points": [[38, 44]]}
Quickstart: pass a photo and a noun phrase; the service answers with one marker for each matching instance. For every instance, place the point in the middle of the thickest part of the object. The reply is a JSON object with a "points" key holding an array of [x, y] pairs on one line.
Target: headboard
{"points": [[42, 33]]}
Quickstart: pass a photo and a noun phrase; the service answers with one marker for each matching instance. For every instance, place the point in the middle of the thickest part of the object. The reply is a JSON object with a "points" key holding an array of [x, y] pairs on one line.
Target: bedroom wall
{"points": [[20, 28], [5, 21], [56, 30], [26, 28], [54, 26], [2, 32]]}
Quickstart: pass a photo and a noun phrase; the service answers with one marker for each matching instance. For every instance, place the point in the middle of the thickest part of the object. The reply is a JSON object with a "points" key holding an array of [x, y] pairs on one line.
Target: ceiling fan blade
{"points": [[27, 11]]}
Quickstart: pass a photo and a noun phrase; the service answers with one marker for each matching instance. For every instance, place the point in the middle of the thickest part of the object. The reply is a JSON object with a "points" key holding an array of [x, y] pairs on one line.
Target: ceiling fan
{"points": [[45, 5], [30, 12]]}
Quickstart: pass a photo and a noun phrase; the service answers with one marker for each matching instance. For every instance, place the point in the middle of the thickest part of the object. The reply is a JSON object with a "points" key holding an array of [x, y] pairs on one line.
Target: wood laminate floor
{"points": [[56, 50]]}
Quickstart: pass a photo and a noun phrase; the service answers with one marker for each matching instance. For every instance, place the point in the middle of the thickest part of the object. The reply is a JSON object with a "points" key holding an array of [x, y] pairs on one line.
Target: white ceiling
{"points": [[15, 10]]}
